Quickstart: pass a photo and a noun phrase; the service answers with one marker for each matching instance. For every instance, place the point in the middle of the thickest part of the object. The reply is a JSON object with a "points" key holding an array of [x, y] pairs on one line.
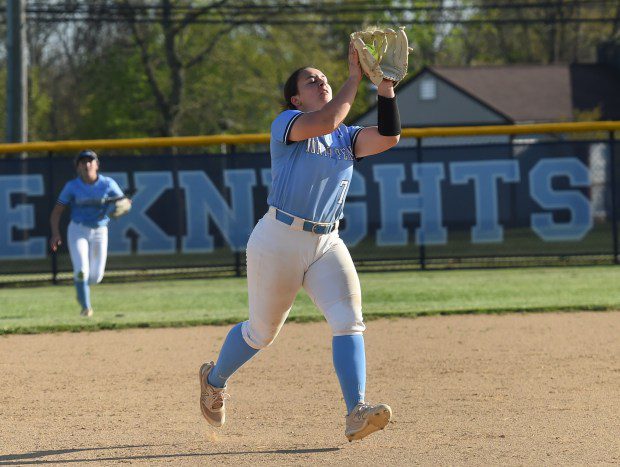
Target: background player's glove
{"points": [[383, 53], [121, 207]]}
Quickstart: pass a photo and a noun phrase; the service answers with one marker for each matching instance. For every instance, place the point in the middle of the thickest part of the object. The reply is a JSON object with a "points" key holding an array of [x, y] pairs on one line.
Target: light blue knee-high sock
{"points": [[83, 293], [350, 364], [235, 352]]}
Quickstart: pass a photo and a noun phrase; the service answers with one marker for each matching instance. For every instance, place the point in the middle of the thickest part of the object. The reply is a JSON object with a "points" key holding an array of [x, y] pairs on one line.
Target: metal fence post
{"points": [[513, 221], [422, 245], [51, 203], [181, 215], [232, 150], [614, 206]]}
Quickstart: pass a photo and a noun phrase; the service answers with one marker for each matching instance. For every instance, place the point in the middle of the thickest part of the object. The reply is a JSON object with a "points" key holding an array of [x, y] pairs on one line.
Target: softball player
{"points": [[87, 234], [296, 243]]}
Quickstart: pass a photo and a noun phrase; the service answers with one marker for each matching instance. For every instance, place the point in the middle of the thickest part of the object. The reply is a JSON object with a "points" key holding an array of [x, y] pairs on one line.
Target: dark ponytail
{"points": [[291, 89]]}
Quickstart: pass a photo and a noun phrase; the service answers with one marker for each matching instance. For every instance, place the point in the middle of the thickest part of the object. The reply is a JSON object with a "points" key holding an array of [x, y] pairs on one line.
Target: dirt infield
{"points": [[516, 389]]}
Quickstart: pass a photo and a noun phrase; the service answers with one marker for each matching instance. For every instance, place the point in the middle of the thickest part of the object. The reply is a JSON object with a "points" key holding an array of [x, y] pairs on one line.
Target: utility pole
{"points": [[17, 76]]}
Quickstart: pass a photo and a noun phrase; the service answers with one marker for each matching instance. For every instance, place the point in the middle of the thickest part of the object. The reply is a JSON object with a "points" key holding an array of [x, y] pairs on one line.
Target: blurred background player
{"points": [[87, 196], [296, 244]]}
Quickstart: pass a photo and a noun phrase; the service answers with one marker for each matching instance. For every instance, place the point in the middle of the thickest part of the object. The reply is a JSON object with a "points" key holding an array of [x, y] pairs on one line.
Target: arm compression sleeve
{"points": [[388, 118]]}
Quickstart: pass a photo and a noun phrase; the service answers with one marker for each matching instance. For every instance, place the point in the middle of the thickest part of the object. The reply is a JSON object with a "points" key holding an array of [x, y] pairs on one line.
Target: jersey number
{"points": [[343, 191]]}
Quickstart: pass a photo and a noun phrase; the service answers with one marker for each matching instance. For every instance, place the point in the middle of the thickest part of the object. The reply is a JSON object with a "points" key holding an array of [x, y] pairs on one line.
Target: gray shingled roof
{"points": [[540, 93]]}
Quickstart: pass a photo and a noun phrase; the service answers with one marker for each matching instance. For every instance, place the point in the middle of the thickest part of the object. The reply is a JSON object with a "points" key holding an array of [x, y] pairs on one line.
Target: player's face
{"points": [[313, 90], [87, 169]]}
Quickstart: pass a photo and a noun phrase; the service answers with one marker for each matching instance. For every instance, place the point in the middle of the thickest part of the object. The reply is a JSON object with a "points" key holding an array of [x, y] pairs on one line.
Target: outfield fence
{"points": [[444, 197]]}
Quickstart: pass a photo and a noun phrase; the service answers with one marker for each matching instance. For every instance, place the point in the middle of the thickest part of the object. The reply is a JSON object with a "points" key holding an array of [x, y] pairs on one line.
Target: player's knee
{"points": [[257, 338], [262, 342], [348, 328], [95, 279], [345, 318], [80, 276]]}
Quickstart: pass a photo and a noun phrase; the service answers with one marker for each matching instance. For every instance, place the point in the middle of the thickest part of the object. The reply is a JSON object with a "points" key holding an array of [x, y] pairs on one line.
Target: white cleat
{"points": [[212, 399], [365, 419]]}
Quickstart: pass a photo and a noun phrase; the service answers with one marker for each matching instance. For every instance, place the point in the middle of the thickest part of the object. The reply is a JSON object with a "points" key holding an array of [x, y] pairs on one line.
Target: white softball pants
{"points": [[88, 249], [281, 260]]}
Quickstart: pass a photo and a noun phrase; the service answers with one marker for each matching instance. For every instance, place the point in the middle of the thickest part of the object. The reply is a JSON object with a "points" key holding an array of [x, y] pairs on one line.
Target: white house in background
{"points": [[503, 95]]}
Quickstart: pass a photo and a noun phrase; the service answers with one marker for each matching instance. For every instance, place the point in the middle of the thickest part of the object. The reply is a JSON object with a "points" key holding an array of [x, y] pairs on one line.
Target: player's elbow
{"points": [[56, 212], [54, 219], [388, 142], [391, 141]]}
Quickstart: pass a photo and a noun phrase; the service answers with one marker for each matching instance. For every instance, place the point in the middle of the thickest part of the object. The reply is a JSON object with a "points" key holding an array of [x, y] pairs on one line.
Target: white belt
{"points": [[297, 223]]}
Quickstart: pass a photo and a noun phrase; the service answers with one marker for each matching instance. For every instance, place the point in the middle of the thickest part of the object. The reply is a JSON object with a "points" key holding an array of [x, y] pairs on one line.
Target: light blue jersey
{"points": [[310, 178], [87, 201]]}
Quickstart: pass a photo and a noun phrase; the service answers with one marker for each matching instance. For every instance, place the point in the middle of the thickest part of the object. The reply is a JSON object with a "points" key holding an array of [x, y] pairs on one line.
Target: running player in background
{"points": [[87, 235], [296, 244]]}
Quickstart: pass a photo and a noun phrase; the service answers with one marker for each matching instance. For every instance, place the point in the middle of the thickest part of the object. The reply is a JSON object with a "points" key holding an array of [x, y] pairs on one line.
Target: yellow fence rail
{"points": [[263, 138]]}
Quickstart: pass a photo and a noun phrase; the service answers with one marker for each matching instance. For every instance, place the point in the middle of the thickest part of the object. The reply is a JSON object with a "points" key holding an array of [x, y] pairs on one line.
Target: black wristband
{"points": [[388, 118]]}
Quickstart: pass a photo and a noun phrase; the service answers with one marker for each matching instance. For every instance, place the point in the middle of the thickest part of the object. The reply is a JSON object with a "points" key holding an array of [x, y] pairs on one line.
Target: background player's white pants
{"points": [[280, 261], [89, 251]]}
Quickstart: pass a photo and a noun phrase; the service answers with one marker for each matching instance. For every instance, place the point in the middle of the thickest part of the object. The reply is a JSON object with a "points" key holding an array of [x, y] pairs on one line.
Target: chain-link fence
{"points": [[468, 200]]}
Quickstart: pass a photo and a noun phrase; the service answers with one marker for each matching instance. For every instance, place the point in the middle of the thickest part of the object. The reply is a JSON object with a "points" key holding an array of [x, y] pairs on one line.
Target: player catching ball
{"points": [[296, 243], [93, 198]]}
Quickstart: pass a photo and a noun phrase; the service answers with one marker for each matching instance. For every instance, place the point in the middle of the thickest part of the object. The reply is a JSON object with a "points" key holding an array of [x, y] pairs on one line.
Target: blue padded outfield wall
{"points": [[545, 199]]}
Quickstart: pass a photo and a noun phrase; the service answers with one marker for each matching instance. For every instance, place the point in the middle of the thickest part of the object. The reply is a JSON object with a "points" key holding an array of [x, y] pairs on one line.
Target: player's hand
{"points": [[355, 70], [55, 242]]}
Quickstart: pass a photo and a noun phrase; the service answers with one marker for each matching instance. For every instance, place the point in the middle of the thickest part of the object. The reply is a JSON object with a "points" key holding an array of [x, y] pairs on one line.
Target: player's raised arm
{"points": [[312, 94], [384, 58], [376, 139]]}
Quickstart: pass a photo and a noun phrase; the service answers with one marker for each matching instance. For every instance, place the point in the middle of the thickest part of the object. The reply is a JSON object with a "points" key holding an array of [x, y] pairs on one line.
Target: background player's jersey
{"points": [[86, 200], [310, 178]]}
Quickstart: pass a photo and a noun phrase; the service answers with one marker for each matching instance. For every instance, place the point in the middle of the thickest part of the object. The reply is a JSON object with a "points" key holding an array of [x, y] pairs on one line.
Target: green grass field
{"points": [[223, 301]]}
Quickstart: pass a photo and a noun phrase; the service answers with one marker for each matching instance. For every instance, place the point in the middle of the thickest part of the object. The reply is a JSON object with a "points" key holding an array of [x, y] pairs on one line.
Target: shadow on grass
{"points": [[34, 458]]}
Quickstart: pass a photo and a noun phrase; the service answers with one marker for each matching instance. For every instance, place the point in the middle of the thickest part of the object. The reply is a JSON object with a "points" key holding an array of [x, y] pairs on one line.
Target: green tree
{"points": [[543, 32], [61, 75], [214, 78], [187, 67]]}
